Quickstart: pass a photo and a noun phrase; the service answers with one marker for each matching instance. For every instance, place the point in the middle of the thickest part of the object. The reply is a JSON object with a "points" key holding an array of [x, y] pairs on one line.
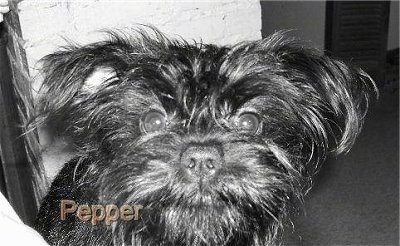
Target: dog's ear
{"points": [[97, 78], [76, 72], [320, 101], [335, 95]]}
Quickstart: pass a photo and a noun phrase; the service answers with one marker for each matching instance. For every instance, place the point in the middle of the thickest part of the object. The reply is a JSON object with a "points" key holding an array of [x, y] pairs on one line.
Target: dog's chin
{"points": [[202, 217], [199, 225]]}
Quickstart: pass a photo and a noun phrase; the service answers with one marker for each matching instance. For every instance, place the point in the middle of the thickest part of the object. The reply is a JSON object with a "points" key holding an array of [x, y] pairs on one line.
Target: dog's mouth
{"points": [[203, 222], [205, 217]]}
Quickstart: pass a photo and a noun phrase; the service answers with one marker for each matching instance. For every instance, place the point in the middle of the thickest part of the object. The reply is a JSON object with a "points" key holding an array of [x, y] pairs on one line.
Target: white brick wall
{"points": [[45, 24]]}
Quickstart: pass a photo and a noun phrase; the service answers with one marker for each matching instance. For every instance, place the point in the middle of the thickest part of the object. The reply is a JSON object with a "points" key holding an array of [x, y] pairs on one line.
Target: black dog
{"points": [[217, 144]]}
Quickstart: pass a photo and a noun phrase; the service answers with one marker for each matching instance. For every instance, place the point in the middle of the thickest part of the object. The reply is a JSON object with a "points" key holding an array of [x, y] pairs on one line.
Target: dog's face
{"points": [[216, 143]]}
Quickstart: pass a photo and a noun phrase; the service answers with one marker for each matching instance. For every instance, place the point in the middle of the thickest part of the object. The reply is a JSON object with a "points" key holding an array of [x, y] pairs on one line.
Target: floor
{"points": [[355, 200]]}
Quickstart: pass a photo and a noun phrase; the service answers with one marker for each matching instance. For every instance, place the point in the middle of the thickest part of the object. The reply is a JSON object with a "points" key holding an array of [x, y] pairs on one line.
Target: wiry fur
{"points": [[308, 104]]}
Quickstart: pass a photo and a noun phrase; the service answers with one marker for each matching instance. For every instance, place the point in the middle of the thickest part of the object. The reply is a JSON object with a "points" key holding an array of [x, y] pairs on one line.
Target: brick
{"points": [[44, 23]]}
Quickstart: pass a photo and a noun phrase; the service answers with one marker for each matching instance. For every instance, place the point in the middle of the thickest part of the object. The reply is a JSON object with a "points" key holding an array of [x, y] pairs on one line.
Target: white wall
{"points": [[45, 24]]}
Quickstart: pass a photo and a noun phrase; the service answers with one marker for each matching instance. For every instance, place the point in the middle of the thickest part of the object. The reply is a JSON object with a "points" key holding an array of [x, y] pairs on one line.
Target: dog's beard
{"points": [[246, 200]]}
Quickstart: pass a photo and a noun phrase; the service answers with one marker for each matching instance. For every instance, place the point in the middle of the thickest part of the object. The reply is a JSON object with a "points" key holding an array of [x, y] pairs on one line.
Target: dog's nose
{"points": [[201, 160]]}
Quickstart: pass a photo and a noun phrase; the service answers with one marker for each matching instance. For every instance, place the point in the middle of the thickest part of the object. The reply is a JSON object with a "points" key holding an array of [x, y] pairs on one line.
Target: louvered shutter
{"points": [[357, 31]]}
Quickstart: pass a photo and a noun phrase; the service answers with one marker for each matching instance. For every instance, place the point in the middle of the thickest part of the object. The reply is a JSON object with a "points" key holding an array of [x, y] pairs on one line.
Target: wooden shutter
{"points": [[357, 31]]}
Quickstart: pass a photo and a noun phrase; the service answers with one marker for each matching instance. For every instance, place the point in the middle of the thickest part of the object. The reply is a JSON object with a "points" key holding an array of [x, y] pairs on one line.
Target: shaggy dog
{"points": [[216, 144]]}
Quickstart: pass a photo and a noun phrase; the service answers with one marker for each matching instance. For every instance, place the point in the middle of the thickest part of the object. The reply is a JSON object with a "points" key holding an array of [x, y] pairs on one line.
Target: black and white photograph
{"points": [[199, 123]]}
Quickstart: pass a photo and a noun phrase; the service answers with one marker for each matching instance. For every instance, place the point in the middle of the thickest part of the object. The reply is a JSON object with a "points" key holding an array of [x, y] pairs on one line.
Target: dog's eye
{"points": [[248, 122], [153, 121]]}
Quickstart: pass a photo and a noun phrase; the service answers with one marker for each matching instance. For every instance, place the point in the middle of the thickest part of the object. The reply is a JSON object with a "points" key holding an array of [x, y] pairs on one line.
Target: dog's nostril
{"points": [[209, 164], [192, 163]]}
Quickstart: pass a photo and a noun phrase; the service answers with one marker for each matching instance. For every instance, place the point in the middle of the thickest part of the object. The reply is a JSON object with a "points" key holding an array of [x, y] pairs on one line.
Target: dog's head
{"points": [[216, 143]]}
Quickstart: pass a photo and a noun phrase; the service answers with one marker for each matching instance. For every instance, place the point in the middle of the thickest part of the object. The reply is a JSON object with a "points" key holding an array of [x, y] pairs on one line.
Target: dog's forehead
{"points": [[183, 76], [195, 78]]}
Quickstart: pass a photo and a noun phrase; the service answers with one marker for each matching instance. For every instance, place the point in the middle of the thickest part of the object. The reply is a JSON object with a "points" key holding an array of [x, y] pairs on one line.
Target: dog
{"points": [[217, 144]]}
